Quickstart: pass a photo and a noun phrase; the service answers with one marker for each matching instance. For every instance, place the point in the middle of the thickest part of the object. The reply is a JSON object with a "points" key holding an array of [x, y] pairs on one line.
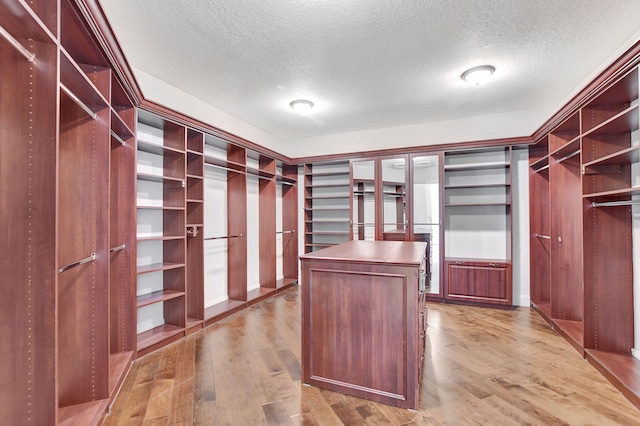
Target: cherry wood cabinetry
{"points": [[478, 281], [161, 189], [68, 152], [586, 171], [364, 320], [477, 203], [195, 234], [27, 210]]}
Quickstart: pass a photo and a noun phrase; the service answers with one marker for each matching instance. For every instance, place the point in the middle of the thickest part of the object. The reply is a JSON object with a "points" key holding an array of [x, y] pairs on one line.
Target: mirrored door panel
{"points": [[394, 216], [426, 213], [364, 203]]}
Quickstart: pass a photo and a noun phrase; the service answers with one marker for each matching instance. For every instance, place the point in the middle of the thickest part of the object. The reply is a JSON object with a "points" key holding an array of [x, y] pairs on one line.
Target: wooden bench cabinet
{"points": [[478, 281], [363, 320]]}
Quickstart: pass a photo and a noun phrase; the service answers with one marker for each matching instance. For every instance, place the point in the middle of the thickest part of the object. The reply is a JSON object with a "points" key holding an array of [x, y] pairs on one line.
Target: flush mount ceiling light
{"points": [[477, 75], [301, 106]]}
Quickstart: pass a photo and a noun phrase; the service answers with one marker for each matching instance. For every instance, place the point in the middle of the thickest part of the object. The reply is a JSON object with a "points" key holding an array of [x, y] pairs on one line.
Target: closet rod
{"points": [[31, 57], [615, 203], [118, 138], [115, 249], [285, 232], [566, 157], [225, 237], [77, 100], [91, 258], [546, 237]]}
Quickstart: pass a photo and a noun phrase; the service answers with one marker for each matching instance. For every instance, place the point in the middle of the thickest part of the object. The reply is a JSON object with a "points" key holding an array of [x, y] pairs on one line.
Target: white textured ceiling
{"points": [[370, 64]]}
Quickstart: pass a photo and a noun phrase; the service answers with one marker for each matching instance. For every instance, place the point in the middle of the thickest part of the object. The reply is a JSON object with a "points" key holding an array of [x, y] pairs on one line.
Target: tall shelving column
{"points": [[287, 180], [327, 208], [477, 192], [161, 251], [540, 233], [195, 230], [225, 225], [28, 169], [566, 279], [610, 189], [261, 171], [122, 240], [83, 258]]}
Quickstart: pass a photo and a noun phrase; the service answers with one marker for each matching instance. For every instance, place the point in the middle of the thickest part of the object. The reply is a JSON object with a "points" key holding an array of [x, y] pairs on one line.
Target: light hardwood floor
{"points": [[483, 367]]}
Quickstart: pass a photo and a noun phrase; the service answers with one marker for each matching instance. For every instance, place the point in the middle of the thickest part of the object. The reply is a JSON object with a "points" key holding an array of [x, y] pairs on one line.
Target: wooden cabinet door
{"points": [[480, 282]]}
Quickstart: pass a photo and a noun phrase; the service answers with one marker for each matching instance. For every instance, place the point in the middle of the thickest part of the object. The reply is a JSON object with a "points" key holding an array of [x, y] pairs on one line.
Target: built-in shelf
{"points": [[144, 269], [158, 296]]}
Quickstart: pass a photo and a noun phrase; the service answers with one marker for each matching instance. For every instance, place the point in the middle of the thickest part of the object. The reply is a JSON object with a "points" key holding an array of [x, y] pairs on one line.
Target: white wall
{"points": [[494, 126]]}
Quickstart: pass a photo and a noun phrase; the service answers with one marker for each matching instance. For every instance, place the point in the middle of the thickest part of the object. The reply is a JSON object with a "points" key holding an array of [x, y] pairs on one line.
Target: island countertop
{"points": [[372, 252]]}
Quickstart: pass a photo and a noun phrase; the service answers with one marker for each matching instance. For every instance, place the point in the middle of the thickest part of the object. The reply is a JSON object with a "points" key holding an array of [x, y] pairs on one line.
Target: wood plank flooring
{"points": [[483, 367]]}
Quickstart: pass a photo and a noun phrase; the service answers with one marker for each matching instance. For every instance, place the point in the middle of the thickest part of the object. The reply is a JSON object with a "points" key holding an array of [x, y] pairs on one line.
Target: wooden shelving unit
{"points": [[582, 208], [195, 231], [29, 94], [540, 229], [327, 207], [287, 226], [477, 208], [162, 246]]}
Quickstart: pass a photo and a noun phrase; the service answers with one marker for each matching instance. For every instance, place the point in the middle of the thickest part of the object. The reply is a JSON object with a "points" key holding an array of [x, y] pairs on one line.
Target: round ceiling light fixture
{"points": [[301, 106], [477, 75]]}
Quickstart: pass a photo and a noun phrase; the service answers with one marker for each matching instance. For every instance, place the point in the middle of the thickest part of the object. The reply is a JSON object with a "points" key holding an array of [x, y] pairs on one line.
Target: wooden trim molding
{"points": [[94, 16], [523, 140], [195, 124], [619, 67]]}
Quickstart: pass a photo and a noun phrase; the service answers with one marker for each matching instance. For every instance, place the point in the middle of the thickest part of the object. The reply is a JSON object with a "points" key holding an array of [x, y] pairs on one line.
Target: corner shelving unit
{"points": [[610, 189], [327, 194], [161, 252], [477, 203]]}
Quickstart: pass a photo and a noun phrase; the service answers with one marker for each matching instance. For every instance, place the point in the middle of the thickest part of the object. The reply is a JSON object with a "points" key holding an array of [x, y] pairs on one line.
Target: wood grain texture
{"points": [[482, 366]]}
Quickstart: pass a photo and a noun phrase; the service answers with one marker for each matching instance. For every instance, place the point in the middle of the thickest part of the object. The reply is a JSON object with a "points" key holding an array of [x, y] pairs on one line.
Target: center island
{"points": [[364, 320]]}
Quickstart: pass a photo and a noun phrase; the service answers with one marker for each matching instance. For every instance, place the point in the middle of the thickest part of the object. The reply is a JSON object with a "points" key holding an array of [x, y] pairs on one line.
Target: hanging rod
{"points": [[566, 157], [615, 203], [31, 57], [77, 100], [546, 237], [286, 232], [115, 249], [225, 237], [118, 138], [91, 258]]}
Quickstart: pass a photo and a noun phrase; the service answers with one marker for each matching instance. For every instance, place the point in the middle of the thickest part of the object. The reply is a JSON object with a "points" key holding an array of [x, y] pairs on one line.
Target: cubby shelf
{"points": [[145, 269], [158, 335], [157, 297]]}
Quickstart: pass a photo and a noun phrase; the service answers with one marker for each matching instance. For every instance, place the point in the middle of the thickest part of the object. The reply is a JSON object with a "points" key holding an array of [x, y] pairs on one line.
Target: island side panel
{"points": [[360, 330]]}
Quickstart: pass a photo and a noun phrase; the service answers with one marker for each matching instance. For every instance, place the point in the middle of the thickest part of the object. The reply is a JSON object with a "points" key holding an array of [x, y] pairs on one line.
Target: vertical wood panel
{"points": [[27, 211]]}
